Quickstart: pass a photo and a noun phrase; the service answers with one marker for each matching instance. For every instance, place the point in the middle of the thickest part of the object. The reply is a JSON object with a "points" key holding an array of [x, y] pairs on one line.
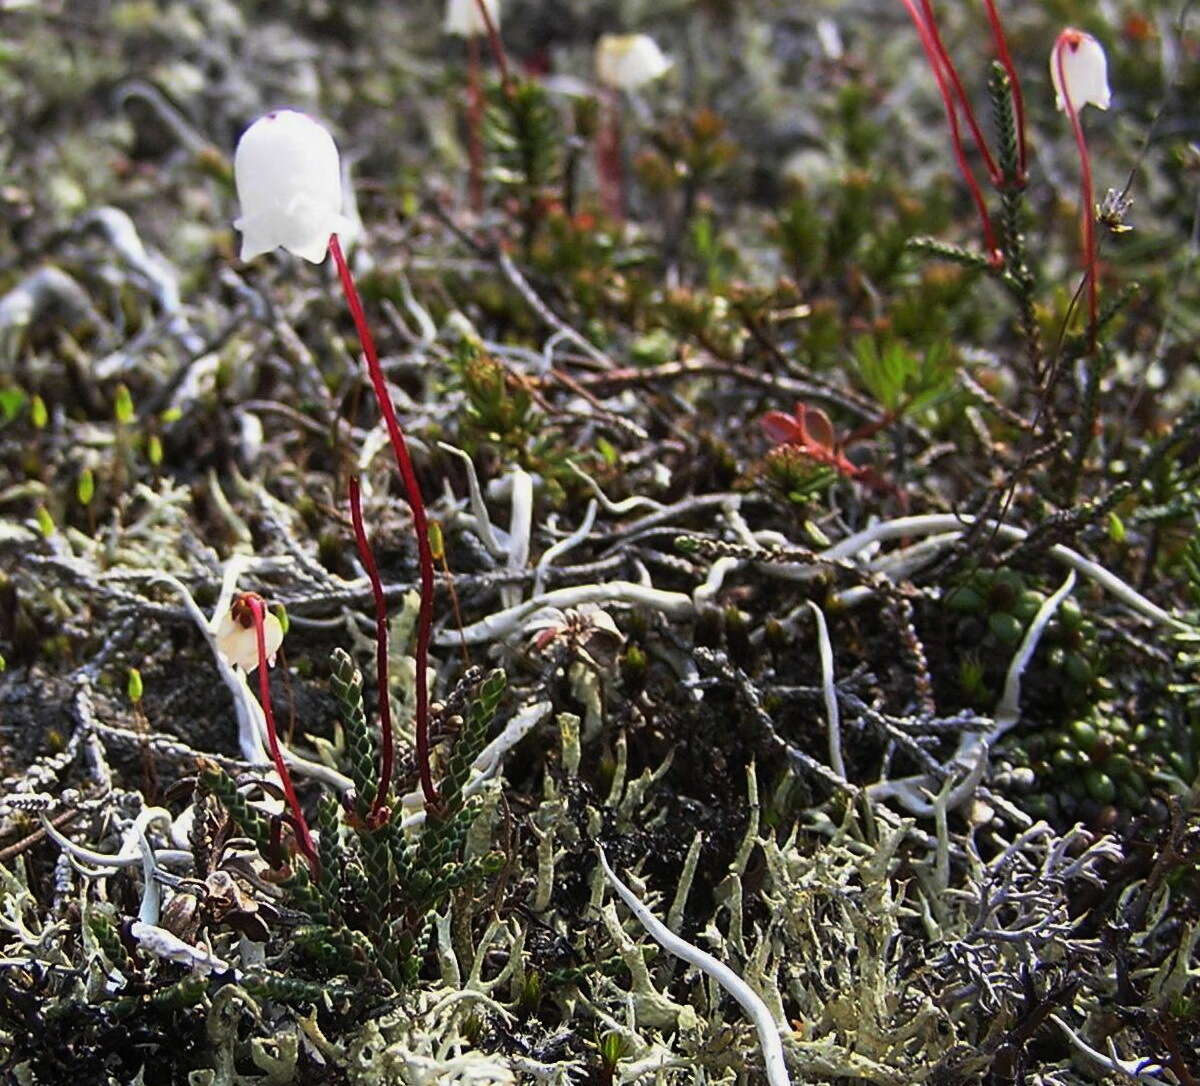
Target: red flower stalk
{"points": [[1071, 40], [1014, 85], [416, 504], [929, 43], [609, 166], [494, 42], [964, 102], [304, 839], [387, 747], [472, 22]]}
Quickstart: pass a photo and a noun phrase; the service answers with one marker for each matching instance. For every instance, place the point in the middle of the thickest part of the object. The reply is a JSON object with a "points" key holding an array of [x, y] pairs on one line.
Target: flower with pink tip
{"points": [[1078, 67], [236, 639], [289, 183]]}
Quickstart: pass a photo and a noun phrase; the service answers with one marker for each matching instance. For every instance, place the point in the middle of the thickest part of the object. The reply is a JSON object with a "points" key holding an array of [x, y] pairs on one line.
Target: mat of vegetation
{"points": [[813, 493]]}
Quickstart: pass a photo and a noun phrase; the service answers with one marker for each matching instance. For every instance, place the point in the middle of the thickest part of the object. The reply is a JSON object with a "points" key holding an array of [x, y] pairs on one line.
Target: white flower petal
{"points": [[1084, 70], [239, 644], [627, 61], [463, 18], [289, 184]]}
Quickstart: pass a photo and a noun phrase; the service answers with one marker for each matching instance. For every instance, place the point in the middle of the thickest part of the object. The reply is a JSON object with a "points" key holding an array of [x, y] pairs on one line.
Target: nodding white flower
{"points": [[237, 641], [289, 183], [1084, 70], [627, 61], [464, 19]]}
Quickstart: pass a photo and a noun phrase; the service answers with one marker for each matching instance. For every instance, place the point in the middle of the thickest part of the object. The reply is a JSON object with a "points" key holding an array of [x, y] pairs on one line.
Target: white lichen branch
{"points": [[751, 1002], [832, 715]]}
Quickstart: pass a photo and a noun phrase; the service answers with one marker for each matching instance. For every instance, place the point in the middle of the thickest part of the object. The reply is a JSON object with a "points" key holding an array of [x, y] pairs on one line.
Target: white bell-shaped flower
{"points": [[627, 61], [464, 19], [289, 183], [237, 642], [1078, 66]]}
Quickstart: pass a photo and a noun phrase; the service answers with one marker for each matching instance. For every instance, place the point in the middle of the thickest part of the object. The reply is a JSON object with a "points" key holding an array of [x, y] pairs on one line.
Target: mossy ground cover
{"points": [[837, 578]]}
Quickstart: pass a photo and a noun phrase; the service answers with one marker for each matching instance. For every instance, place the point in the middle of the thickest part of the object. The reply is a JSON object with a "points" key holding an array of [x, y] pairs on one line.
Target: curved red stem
{"points": [[416, 503], [303, 837], [1086, 194], [494, 43], [950, 70], [960, 156]]}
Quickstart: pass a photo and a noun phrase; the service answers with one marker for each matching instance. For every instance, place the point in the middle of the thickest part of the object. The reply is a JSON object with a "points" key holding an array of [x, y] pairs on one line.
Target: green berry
{"points": [[1070, 615], [964, 600], [1028, 604], [1085, 735], [1005, 628], [1100, 786], [1077, 669]]}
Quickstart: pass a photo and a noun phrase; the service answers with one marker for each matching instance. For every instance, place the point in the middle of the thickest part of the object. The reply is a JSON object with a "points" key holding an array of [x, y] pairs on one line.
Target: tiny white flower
{"points": [[237, 641], [627, 61], [463, 17], [289, 183], [1084, 70]]}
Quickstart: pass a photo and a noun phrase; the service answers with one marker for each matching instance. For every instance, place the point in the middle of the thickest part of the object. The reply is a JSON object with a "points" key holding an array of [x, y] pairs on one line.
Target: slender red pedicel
{"points": [[303, 837], [1071, 39], [494, 42], [964, 101], [960, 156], [416, 503]]}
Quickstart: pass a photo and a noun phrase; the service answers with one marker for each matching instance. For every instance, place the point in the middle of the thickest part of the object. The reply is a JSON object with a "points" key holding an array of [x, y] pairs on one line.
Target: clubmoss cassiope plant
{"points": [[289, 182]]}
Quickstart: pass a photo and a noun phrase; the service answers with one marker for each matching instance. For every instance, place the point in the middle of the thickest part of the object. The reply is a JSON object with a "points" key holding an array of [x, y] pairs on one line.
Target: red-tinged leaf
{"points": [[815, 424], [782, 428]]}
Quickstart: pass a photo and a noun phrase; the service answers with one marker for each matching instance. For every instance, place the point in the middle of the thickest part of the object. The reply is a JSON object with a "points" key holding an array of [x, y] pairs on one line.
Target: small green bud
{"points": [[1070, 615], [85, 487], [123, 405], [815, 535], [280, 612], [1077, 669], [970, 675], [1181, 763], [964, 600], [12, 399], [134, 686], [1005, 628], [437, 541], [154, 450], [1100, 786], [1116, 528], [170, 415], [612, 1048], [492, 863], [1119, 765], [1028, 604], [38, 414], [1084, 734], [45, 521]]}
